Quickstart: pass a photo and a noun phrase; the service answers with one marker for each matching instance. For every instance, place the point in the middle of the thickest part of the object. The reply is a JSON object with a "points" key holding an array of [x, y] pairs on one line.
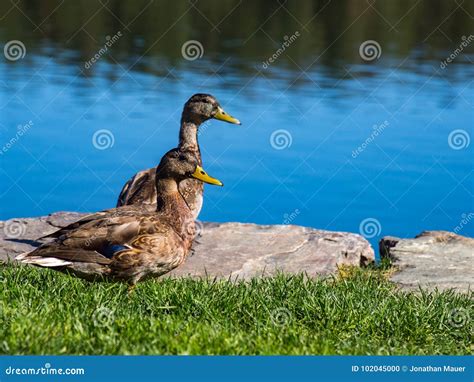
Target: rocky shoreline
{"points": [[434, 259]]}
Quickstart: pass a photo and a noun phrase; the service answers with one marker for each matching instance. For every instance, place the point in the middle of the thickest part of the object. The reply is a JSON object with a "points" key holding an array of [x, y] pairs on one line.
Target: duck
{"points": [[141, 190], [130, 243]]}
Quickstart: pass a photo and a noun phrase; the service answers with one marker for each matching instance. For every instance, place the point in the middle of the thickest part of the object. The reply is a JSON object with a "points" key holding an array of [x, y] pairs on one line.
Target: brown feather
{"points": [[129, 243]]}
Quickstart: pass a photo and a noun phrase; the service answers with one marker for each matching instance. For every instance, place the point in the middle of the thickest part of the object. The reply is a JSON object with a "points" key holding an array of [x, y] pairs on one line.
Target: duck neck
{"points": [[188, 136], [170, 202]]}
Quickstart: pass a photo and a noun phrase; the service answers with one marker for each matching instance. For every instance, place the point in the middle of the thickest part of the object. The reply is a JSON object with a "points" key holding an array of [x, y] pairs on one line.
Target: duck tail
{"points": [[49, 262]]}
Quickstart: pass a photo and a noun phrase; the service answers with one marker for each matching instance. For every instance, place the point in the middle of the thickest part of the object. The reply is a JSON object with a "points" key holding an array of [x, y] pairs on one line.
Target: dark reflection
{"points": [[241, 34]]}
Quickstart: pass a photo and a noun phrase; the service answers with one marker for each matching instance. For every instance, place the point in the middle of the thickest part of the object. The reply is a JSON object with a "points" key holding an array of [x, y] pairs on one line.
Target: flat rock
{"points": [[225, 250], [433, 259]]}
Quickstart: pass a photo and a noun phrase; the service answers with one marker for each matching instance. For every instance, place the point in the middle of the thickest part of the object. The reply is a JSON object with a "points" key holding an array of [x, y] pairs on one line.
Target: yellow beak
{"points": [[203, 177], [221, 115]]}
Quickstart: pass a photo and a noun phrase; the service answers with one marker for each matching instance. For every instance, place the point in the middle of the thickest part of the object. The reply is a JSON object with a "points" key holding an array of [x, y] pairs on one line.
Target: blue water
{"points": [[407, 178]]}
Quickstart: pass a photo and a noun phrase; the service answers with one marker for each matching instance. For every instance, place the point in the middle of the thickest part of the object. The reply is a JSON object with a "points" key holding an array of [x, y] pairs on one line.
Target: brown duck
{"points": [[130, 243], [141, 189]]}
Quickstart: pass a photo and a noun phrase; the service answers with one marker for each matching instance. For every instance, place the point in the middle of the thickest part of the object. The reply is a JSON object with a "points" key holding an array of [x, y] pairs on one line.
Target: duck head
{"points": [[177, 165], [201, 107]]}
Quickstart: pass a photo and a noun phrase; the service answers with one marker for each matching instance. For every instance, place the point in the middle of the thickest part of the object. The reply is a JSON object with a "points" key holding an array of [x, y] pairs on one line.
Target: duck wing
{"points": [[104, 233], [98, 219], [101, 233], [139, 190], [94, 241]]}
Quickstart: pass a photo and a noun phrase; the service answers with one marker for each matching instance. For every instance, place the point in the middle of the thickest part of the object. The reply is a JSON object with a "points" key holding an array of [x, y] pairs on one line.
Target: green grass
{"points": [[45, 312]]}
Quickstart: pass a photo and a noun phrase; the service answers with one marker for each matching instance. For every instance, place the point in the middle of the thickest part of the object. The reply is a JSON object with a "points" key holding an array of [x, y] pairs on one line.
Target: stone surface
{"points": [[434, 259], [233, 250]]}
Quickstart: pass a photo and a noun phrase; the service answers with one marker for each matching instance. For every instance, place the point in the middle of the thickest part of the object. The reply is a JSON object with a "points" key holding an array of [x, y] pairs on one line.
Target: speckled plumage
{"points": [[129, 243], [141, 190]]}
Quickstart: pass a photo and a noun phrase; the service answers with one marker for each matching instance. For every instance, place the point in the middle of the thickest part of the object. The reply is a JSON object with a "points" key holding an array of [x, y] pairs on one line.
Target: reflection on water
{"points": [[329, 139]]}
